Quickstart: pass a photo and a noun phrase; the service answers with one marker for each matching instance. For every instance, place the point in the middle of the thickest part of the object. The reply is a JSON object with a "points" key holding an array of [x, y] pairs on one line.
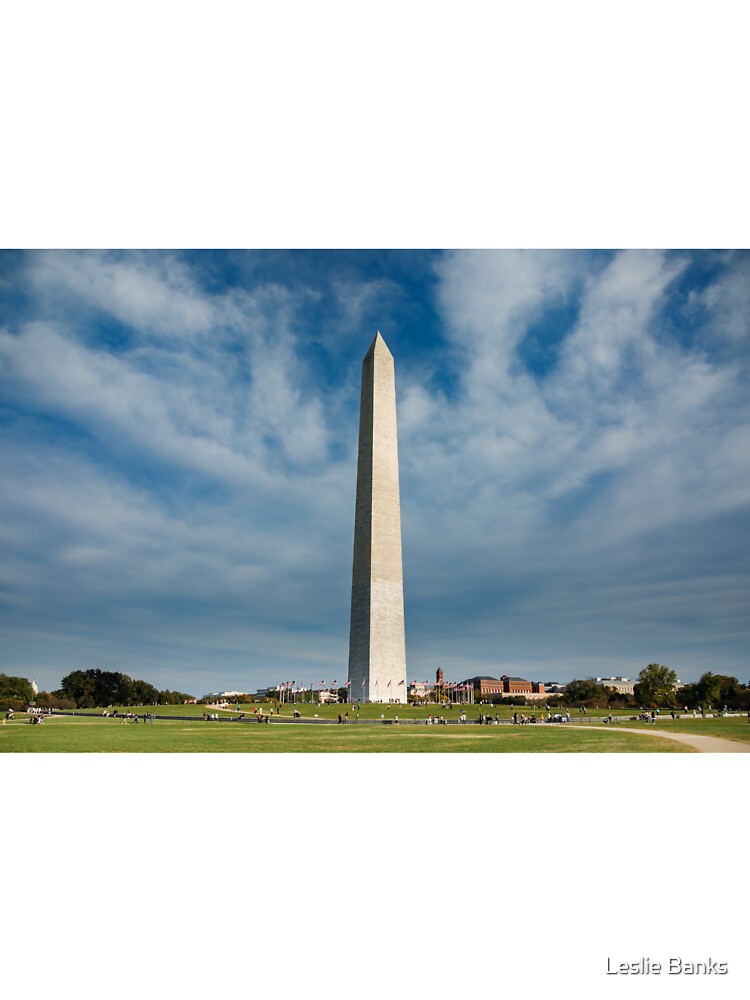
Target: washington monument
{"points": [[377, 648]]}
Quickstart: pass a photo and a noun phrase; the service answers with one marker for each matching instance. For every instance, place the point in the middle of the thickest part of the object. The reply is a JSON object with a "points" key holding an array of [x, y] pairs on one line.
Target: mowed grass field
{"points": [[370, 711], [94, 734], [729, 728]]}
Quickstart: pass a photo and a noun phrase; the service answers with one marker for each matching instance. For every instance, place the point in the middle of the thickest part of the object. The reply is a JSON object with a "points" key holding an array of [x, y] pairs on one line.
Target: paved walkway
{"points": [[703, 744]]}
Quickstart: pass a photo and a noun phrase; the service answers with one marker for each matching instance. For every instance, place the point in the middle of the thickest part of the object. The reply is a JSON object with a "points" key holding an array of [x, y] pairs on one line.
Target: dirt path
{"points": [[703, 744]]}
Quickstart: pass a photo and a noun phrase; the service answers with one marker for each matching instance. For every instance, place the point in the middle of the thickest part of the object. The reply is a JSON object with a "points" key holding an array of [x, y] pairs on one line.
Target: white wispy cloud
{"points": [[727, 301], [153, 293], [630, 444], [543, 511]]}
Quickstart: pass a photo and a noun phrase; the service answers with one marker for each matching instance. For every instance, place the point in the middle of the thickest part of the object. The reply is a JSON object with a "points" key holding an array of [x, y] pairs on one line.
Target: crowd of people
{"points": [[520, 719], [36, 714], [132, 718]]}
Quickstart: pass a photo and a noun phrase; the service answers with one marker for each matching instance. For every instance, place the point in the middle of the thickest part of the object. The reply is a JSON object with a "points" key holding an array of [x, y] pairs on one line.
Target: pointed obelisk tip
{"points": [[378, 345]]}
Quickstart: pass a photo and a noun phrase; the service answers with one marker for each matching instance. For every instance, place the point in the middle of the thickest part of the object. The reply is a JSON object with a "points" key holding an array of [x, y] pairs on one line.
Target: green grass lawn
{"points": [[421, 712], [731, 728], [74, 734], [371, 711]]}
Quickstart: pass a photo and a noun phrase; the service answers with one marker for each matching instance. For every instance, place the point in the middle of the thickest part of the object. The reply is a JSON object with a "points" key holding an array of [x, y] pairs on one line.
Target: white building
{"points": [[622, 685]]}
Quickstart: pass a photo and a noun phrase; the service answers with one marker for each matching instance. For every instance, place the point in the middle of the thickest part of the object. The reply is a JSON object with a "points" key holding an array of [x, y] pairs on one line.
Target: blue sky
{"points": [[179, 438]]}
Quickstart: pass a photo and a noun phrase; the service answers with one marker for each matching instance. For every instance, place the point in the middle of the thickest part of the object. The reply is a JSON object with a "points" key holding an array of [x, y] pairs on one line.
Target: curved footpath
{"points": [[703, 744]]}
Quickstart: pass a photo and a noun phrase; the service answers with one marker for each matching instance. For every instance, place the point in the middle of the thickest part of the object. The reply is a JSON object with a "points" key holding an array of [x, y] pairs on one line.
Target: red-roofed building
{"points": [[488, 687]]}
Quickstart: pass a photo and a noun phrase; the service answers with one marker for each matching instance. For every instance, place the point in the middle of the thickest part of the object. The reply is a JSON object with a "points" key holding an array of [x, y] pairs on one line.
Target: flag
{"points": [[363, 683], [388, 684], [401, 682]]}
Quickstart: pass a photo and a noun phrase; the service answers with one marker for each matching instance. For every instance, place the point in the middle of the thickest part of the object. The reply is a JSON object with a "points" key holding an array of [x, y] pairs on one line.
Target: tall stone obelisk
{"points": [[377, 647]]}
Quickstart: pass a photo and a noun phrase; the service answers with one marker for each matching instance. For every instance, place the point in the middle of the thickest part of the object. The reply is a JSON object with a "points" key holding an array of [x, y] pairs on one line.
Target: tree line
{"points": [[87, 689], [656, 687], [100, 688], [15, 692]]}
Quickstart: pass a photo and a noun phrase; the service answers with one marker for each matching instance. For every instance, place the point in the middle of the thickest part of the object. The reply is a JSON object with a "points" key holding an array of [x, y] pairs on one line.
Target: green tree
{"points": [[112, 688], [730, 691], [47, 699], [655, 687], [99, 688], [617, 699], [689, 696], [586, 692], [16, 688], [168, 697], [143, 693], [717, 690], [80, 687], [709, 690]]}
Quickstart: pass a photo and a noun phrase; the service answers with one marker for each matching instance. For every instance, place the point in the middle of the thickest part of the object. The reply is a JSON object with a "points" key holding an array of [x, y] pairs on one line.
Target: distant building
{"points": [[554, 687], [488, 687], [223, 695], [625, 685], [622, 685]]}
